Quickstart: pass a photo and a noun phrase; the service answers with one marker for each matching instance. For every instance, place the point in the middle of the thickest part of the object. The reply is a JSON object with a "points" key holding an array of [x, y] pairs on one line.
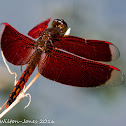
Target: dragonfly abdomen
{"points": [[24, 78]]}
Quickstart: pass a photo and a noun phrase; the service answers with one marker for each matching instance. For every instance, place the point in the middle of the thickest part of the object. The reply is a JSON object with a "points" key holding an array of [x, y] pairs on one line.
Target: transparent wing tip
{"points": [[117, 78]]}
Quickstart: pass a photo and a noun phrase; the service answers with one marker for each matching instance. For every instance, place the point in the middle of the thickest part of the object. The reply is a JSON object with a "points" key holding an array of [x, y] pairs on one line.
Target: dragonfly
{"points": [[62, 58]]}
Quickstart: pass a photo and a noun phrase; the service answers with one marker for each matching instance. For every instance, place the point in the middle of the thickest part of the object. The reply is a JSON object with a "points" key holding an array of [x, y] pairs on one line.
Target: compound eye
{"points": [[55, 23], [61, 24]]}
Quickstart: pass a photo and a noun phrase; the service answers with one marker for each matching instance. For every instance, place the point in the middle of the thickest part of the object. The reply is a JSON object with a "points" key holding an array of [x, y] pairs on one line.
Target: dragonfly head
{"points": [[61, 24]]}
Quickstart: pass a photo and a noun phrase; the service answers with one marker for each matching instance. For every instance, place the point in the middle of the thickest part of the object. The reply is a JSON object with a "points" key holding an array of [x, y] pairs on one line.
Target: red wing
{"points": [[35, 32], [16, 47], [69, 69], [92, 49]]}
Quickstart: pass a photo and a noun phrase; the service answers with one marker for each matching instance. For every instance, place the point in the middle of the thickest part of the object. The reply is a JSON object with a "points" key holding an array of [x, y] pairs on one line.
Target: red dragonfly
{"points": [[62, 58]]}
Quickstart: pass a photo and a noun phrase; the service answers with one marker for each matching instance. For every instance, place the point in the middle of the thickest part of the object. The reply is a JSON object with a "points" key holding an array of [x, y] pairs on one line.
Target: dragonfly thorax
{"points": [[50, 32], [45, 39]]}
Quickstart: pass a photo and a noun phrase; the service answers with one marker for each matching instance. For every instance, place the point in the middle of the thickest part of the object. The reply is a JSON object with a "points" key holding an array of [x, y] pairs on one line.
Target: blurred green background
{"points": [[66, 105]]}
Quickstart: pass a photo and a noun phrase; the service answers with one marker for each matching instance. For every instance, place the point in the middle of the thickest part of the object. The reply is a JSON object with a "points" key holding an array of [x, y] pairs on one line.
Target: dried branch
{"points": [[20, 96]]}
